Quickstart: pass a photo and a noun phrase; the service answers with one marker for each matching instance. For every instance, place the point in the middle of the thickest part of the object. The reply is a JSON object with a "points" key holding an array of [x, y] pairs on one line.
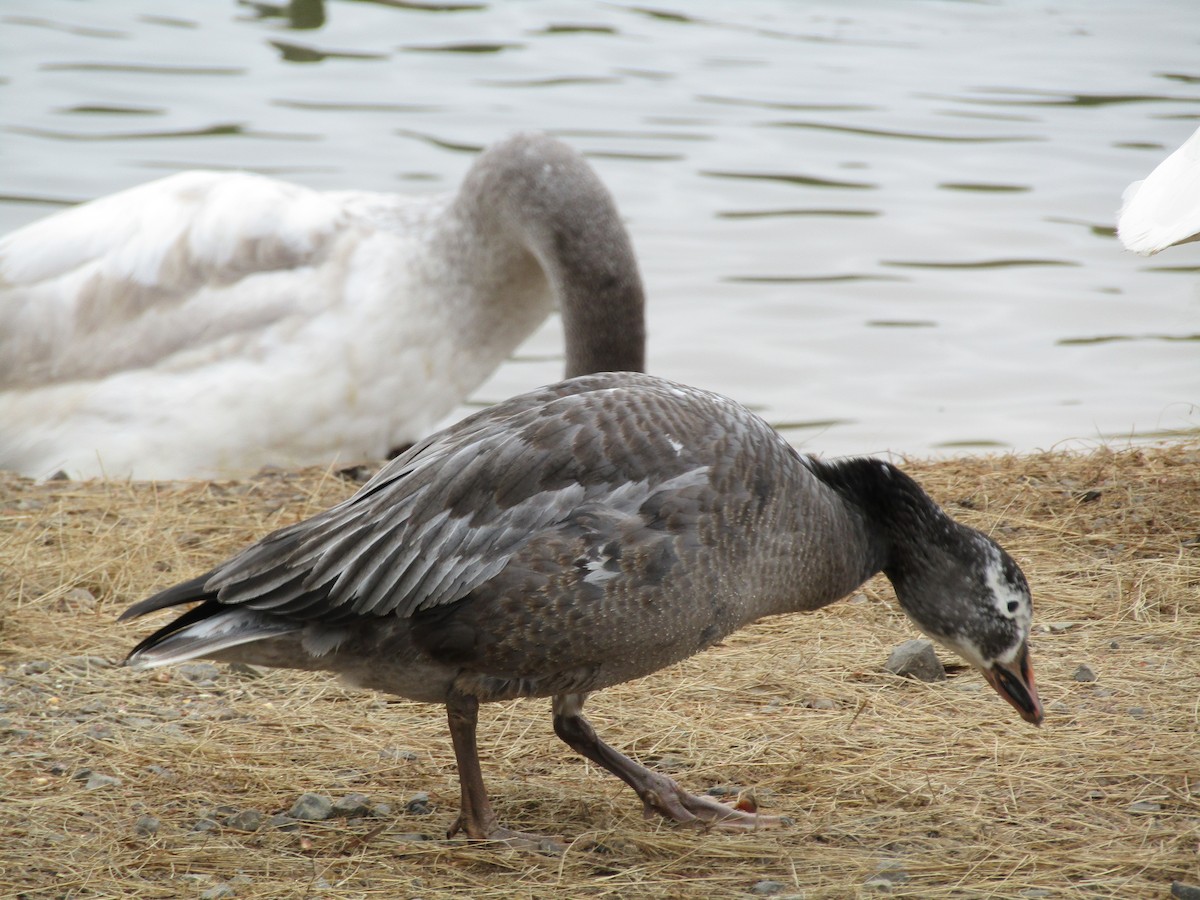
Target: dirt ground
{"points": [[174, 783]]}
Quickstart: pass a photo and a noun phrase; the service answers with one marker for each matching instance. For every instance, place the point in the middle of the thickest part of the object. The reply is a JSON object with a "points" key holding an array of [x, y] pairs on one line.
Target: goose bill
{"points": [[1014, 682]]}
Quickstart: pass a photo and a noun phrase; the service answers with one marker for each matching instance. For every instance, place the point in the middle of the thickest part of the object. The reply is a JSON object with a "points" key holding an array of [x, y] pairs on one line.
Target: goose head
{"points": [[955, 583], [968, 594]]}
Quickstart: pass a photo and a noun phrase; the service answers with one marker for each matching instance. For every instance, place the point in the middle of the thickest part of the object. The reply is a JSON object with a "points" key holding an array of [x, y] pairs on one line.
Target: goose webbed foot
{"points": [[663, 796], [660, 795]]}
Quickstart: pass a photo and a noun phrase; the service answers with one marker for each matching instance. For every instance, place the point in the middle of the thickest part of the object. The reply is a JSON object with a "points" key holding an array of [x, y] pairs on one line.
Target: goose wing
{"points": [[453, 511]]}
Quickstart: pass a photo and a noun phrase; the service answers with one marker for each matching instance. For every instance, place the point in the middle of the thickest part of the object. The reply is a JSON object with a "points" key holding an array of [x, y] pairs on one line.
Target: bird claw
{"points": [[669, 800]]}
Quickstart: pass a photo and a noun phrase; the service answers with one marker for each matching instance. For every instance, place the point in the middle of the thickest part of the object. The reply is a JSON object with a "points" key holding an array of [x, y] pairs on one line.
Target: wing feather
{"points": [[443, 519]]}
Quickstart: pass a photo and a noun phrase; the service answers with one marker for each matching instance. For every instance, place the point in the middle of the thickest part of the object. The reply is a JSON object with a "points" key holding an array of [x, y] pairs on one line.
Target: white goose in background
{"points": [[1164, 209], [207, 324]]}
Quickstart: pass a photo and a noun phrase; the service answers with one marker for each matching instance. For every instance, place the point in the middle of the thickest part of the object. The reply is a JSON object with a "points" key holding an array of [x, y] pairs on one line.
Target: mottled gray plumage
{"points": [[580, 536]]}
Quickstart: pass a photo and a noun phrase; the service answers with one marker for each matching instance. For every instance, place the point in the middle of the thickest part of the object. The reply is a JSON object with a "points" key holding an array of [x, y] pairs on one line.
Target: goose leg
{"points": [[660, 794], [475, 818]]}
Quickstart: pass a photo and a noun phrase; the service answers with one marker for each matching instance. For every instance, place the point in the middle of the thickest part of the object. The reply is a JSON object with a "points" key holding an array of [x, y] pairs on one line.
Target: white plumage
{"points": [[1164, 209], [206, 324]]}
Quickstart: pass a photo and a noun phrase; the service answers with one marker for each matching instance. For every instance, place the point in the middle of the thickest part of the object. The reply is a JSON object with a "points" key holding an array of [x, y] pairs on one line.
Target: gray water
{"points": [[885, 225]]}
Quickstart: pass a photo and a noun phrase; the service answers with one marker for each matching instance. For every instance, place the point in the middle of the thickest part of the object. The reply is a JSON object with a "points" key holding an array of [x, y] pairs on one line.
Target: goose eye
{"points": [[1013, 606]]}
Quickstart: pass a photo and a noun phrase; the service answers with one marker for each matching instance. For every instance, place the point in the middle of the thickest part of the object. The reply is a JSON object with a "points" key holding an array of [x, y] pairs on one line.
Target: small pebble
{"points": [[893, 872], [245, 820], [821, 703], [882, 885], [1084, 673], [1144, 807], [352, 805], [217, 892], [1138, 712], [419, 805], [916, 659], [205, 825], [312, 808], [96, 780], [147, 826], [399, 755], [767, 888], [1182, 891]]}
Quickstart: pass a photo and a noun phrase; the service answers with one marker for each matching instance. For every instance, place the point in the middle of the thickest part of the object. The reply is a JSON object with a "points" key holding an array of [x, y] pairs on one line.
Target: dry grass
{"points": [[940, 781]]}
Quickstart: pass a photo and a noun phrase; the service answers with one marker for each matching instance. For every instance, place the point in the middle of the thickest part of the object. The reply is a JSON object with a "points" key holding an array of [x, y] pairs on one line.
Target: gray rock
{"points": [[1084, 673], [916, 659], [217, 892], [1182, 891], [96, 780], [767, 888], [245, 820], [147, 826], [419, 805], [821, 703], [1144, 808], [398, 755], [723, 790], [312, 808], [352, 805], [1138, 712], [205, 825]]}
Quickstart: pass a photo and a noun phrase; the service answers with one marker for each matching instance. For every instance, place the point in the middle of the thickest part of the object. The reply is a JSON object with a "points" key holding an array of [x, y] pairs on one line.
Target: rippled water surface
{"points": [[885, 225]]}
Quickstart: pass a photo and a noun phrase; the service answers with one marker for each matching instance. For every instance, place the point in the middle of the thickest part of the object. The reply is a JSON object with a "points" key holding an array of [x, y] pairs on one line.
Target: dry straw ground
{"points": [[900, 787]]}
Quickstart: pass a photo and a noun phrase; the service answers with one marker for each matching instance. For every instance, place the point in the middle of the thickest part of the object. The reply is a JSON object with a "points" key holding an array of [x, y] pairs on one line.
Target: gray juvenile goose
{"points": [[582, 535]]}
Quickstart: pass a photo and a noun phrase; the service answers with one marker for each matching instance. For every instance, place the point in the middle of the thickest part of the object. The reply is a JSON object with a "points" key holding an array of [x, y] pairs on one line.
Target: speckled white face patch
{"points": [[1010, 599]]}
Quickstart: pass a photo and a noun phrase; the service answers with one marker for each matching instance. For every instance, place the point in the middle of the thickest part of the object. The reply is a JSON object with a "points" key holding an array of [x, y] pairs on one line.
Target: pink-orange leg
{"points": [[660, 794], [475, 818]]}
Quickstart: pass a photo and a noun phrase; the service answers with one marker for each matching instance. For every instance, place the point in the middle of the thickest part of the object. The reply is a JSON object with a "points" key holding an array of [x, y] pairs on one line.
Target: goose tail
{"points": [[203, 631]]}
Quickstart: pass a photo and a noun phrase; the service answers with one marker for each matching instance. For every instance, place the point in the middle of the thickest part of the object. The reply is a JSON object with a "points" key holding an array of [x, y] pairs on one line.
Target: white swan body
{"points": [[209, 323], [1164, 209]]}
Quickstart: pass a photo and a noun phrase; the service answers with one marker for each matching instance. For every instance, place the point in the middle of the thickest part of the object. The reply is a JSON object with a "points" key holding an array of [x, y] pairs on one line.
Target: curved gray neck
{"points": [[550, 204]]}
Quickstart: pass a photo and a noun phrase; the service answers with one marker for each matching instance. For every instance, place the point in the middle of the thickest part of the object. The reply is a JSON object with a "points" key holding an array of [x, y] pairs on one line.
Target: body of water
{"points": [[886, 225]]}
